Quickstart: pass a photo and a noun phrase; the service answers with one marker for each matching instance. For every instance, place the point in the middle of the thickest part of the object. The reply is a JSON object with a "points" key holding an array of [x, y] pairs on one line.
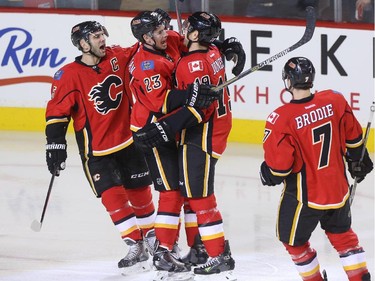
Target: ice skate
{"points": [[136, 258], [366, 277], [220, 266], [166, 260], [176, 252], [169, 267], [149, 241], [197, 253]]}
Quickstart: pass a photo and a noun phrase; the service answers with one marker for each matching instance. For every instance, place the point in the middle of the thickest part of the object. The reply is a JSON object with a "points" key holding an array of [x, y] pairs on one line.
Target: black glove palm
{"points": [[200, 95], [56, 156]]}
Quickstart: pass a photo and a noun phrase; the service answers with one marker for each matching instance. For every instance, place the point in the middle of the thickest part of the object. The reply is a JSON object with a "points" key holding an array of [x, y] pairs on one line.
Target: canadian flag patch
{"points": [[273, 117], [195, 66]]}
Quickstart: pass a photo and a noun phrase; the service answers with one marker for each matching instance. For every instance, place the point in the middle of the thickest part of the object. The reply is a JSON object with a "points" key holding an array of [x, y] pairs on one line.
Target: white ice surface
{"points": [[78, 241]]}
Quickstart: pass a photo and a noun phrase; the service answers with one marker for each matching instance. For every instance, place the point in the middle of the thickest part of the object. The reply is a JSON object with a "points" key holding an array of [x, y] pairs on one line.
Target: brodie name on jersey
{"points": [[217, 65], [314, 116]]}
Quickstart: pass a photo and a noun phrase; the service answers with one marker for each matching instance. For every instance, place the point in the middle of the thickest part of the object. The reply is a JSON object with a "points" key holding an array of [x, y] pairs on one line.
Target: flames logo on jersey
{"points": [[107, 95]]}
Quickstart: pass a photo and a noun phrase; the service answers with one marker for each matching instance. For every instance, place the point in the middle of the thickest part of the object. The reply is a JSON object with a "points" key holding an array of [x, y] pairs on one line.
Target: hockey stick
{"points": [[37, 225], [308, 34], [179, 20], [353, 187]]}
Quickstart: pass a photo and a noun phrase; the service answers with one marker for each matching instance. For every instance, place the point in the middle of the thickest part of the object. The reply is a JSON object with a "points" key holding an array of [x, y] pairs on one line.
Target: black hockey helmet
{"points": [[145, 23], [300, 71], [83, 30], [166, 17], [208, 25]]}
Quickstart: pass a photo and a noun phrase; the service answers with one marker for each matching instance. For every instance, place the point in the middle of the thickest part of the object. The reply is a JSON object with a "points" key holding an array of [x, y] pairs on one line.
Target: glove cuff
{"points": [[56, 146]]}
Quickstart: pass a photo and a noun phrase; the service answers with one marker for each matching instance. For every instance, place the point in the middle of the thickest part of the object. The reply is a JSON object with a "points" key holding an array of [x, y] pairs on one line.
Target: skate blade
{"points": [[139, 267], [223, 276], [161, 275]]}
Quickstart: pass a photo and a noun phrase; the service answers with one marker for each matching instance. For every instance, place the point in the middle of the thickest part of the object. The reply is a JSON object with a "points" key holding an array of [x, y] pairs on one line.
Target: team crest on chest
{"points": [[107, 95]]}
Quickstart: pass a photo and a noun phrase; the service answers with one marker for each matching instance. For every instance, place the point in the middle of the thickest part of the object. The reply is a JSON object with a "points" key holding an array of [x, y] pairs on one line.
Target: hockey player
{"points": [[91, 91], [305, 144], [152, 68], [203, 144]]}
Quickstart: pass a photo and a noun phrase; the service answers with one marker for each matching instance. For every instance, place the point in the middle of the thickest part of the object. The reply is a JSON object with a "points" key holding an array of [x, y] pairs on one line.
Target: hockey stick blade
{"points": [[307, 35], [36, 226]]}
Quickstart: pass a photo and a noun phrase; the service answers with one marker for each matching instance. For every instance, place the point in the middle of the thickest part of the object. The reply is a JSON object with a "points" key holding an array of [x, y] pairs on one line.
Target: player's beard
{"points": [[161, 45], [98, 51]]}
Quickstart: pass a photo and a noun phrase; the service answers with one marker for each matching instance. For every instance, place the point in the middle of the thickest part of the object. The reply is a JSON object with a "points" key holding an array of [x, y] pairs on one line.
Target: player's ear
{"points": [[194, 36], [85, 47]]}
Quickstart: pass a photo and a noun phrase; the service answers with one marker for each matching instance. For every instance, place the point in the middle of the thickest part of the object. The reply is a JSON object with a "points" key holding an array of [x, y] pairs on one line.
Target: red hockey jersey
{"points": [[305, 141], [152, 77], [95, 98], [207, 67]]}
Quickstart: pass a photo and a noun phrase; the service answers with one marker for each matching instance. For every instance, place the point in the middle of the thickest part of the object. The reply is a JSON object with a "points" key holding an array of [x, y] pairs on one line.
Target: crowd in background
{"points": [[327, 10]]}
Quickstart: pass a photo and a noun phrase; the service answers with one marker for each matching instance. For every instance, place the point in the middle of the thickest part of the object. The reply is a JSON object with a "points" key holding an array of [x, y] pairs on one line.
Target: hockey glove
{"points": [[233, 50], [56, 156], [153, 134], [360, 169], [267, 177], [200, 95]]}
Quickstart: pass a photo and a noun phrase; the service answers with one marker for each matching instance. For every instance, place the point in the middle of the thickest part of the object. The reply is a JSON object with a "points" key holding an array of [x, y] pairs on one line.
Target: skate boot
{"points": [[149, 241], [215, 265], [161, 259], [197, 253], [137, 253], [176, 252], [169, 261], [366, 277], [169, 267]]}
